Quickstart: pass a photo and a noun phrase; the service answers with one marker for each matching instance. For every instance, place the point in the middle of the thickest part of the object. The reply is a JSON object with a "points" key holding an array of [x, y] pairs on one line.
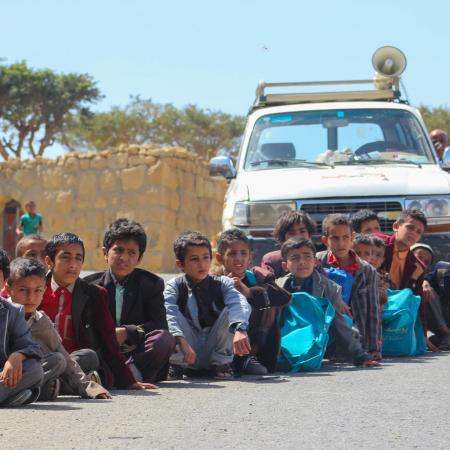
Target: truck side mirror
{"points": [[446, 159], [222, 165]]}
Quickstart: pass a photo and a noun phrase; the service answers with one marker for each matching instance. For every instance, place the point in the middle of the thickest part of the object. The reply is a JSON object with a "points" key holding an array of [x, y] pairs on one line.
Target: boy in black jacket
{"points": [[136, 302], [263, 295]]}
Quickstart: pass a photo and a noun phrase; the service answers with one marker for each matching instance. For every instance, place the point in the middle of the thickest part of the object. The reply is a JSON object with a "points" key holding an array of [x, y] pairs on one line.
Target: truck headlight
{"points": [[432, 207], [260, 214]]}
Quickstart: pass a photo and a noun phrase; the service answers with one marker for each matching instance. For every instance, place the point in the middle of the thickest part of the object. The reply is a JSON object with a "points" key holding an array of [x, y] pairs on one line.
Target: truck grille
{"points": [[387, 211]]}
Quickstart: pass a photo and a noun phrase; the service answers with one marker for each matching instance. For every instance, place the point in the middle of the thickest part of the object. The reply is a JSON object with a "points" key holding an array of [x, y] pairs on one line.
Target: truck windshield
{"points": [[337, 137]]}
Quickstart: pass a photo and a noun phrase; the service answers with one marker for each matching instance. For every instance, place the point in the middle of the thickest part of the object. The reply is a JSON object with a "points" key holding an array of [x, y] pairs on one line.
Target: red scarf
{"points": [[351, 269], [58, 306]]}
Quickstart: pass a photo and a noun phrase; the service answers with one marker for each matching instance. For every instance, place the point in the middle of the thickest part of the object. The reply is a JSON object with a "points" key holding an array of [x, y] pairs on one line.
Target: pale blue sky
{"points": [[212, 54]]}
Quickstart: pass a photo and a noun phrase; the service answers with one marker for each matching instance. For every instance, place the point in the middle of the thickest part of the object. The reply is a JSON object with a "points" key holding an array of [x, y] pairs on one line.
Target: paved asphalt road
{"points": [[404, 404]]}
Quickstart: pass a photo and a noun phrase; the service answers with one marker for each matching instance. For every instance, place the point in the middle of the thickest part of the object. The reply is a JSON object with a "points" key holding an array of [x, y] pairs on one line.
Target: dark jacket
{"points": [[14, 334], [364, 302], [143, 302], [413, 274], [94, 328]]}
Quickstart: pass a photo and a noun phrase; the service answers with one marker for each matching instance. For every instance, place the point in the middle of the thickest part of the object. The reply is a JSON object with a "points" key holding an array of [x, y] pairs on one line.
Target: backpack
{"points": [[251, 278], [344, 279], [402, 330], [304, 332]]}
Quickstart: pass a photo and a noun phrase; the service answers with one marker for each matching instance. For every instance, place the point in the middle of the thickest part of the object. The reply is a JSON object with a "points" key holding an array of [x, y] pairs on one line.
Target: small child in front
{"points": [[300, 262], [205, 313], [26, 286], [20, 368], [364, 298], [263, 295]]}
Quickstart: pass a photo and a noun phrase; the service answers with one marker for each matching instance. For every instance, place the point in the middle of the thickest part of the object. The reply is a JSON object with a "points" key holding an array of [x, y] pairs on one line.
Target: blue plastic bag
{"points": [[344, 279], [304, 332], [402, 330]]}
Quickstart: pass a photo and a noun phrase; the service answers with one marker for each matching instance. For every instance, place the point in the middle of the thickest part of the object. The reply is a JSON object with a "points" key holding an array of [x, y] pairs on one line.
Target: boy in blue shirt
{"points": [[31, 222]]}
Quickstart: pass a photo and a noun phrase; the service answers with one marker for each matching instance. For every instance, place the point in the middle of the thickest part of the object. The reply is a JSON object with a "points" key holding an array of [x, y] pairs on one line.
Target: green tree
{"points": [[145, 122], [438, 117], [34, 105]]}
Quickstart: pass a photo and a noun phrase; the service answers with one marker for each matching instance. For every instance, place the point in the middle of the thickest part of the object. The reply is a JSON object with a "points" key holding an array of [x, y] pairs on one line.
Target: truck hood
{"points": [[345, 181]]}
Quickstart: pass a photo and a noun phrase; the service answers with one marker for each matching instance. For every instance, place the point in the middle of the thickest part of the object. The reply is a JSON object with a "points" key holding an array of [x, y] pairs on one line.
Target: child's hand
{"points": [[371, 363], [427, 290], [121, 335], [348, 310], [241, 343], [105, 396], [188, 352], [241, 287], [138, 386], [12, 370]]}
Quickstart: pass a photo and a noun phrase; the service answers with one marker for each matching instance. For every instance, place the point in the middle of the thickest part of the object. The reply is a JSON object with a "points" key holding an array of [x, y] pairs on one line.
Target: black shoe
{"points": [[175, 373], [19, 399], [50, 390], [252, 366]]}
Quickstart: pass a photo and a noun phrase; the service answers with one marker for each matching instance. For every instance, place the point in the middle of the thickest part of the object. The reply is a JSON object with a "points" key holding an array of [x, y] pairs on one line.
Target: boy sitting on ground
{"points": [[299, 261], [136, 301], [205, 313], [20, 368], [364, 301], [263, 295], [365, 221], [405, 270], [26, 285], [289, 225], [81, 315]]}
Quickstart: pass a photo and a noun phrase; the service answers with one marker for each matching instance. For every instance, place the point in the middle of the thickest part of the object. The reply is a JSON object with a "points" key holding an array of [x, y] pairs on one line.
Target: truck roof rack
{"points": [[386, 92]]}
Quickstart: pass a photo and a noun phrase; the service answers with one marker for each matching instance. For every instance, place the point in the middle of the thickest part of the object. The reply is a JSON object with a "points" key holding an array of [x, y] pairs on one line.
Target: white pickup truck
{"points": [[337, 151]]}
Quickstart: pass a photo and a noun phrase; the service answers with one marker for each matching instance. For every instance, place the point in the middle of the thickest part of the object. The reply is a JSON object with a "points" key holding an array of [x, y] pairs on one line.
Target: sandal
{"points": [[223, 372]]}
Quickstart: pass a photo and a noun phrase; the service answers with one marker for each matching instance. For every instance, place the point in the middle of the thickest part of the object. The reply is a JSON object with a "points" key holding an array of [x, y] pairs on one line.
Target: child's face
{"points": [[338, 240], [27, 291], [197, 262], [298, 230], [30, 208], [122, 257], [67, 265], [370, 227], [377, 257], [34, 249], [409, 232], [363, 251], [300, 262], [235, 259], [424, 256]]}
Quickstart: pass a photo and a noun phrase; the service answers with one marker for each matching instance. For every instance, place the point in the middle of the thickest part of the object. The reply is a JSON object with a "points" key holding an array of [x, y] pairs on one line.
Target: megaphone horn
{"points": [[389, 62]]}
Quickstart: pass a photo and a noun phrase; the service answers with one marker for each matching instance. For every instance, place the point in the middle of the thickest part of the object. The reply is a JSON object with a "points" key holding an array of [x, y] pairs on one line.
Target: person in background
{"points": [[365, 221], [30, 222], [32, 246], [439, 138]]}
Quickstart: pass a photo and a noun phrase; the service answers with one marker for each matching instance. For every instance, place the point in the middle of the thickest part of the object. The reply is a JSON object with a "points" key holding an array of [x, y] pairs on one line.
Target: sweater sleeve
{"points": [[172, 310], [238, 307]]}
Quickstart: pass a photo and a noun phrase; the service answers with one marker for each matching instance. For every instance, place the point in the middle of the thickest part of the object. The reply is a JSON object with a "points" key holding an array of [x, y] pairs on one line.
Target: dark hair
{"points": [[361, 216], [413, 213], [290, 218], [294, 244], [61, 239], [363, 239], [333, 220], [184, 240], [124, 229], [26, 267], [228, 236], [378, 242], [24, 241], [4, 263]]}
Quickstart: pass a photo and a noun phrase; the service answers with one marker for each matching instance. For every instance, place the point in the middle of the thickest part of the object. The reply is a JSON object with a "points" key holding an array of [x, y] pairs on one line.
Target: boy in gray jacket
{"points": [[299, 260], [205, 313], [20, 368], [25, 285]]}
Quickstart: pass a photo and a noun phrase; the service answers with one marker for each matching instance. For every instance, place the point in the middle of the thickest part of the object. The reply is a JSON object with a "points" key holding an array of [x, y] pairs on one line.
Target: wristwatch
{"points": [[239, 326]]}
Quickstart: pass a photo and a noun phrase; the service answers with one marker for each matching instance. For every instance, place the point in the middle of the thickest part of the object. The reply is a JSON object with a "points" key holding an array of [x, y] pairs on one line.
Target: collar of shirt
{"points": [[117, 282], [34, 317], [401, 254], [306, 285], [352, 268], [55, 286], [203, 285]]}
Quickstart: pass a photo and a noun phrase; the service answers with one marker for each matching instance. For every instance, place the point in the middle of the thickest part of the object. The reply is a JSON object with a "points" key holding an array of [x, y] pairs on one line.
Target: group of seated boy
{"points": [[122, 328]]}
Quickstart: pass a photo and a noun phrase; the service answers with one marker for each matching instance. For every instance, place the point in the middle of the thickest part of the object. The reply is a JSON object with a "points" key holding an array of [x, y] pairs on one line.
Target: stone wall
{"points": [[167, 190]]}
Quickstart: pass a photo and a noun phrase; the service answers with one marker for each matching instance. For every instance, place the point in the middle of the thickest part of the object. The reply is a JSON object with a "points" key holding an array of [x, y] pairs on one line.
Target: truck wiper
{"points": [[376, 161], [286, 162]]}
